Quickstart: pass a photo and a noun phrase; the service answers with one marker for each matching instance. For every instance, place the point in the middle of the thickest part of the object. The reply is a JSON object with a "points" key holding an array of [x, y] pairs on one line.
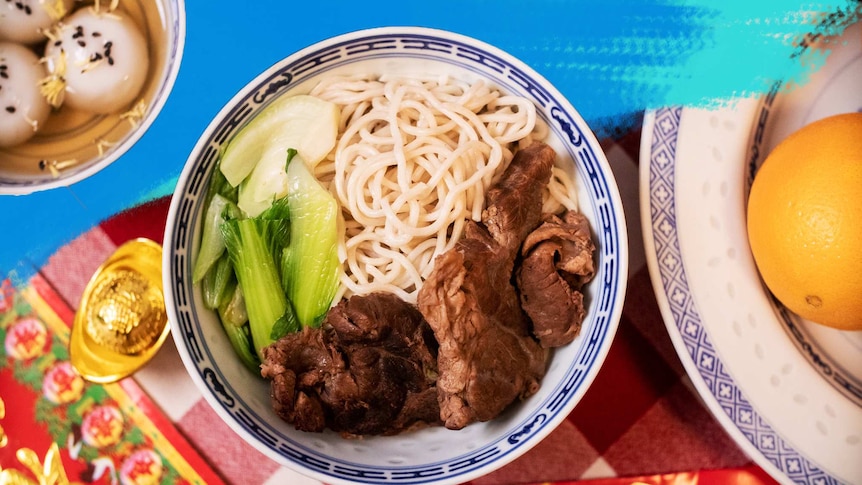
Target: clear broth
{"points": [[72, 140]]}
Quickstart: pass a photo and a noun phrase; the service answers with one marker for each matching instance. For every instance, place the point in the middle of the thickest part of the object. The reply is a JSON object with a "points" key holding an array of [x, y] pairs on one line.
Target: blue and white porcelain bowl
{"points": [[433, 455], [73, 145]]}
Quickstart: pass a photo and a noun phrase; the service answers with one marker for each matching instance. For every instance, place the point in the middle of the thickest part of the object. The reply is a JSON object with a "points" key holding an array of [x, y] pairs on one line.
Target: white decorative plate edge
{"points": [[751, 431]]}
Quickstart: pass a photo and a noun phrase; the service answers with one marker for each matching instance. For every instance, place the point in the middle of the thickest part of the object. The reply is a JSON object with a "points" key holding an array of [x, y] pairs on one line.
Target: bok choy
{"points": [[310, 263], [254, 246], [267, 262]]}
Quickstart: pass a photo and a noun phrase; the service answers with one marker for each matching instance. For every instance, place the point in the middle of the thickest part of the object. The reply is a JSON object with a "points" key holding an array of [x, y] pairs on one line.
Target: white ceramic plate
{"points": [[435, 455], [787, 390]]}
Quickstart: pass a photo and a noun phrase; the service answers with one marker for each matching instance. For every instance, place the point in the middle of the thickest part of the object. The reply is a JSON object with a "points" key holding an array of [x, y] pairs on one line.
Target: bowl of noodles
{"points": [[486, 107]]}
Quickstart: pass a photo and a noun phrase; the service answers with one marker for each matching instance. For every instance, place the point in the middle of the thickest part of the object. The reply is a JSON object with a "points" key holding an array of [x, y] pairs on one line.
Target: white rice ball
{"points": [[105, 59], [23, 109], [24, 20]]}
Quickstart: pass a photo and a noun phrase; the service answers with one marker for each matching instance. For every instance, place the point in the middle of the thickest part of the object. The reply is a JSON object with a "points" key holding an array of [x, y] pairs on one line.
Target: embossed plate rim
{"points": [[702, 347]]}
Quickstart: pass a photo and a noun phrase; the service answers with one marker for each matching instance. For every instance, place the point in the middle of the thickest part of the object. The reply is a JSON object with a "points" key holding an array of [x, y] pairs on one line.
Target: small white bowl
{"points": [[433, 455], [78, 144]]}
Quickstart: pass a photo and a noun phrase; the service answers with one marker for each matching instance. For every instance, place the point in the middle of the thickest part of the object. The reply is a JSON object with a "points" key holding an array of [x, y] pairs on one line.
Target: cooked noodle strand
{"points": [[414, 159]]}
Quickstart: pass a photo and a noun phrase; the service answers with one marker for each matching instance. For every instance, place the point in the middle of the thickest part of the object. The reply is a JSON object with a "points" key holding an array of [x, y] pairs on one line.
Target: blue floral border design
{"points": [[687, 321]]}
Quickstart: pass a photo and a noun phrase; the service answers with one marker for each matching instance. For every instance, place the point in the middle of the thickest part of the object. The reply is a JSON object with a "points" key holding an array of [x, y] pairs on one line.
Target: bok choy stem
{"points": [[234, 320], [253, 245], [310, 263]]}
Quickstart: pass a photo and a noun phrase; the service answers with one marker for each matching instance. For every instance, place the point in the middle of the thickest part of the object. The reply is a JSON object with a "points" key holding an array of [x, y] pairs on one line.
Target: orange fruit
{"points": [[805, 221]]}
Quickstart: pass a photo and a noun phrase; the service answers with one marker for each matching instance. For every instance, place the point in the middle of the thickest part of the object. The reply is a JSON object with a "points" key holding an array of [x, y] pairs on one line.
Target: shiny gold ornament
{"points": [[51, 473], [121, 322], [4, 440], [123, 304]]}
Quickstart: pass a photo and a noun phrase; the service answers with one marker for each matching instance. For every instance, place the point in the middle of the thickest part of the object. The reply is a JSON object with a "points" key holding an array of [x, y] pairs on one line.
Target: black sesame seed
{"points": [[28, 10], [10, 109], [58, 43], [111, 61], [43, 164], [4, 75], [109, 44], [82, 43], [96, 34]]}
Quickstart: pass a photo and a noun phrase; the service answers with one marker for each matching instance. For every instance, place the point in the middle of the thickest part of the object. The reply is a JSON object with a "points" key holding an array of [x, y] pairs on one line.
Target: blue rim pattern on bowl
{"points": [[687, 320], [440, 46]]}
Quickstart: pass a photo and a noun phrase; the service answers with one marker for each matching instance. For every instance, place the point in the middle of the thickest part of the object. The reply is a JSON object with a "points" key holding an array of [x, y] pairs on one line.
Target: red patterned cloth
{"points": [[640, 421]]}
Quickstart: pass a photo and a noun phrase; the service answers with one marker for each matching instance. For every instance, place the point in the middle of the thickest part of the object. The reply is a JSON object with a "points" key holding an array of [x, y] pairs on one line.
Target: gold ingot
{"points": [[126, 313], [121, 322]]}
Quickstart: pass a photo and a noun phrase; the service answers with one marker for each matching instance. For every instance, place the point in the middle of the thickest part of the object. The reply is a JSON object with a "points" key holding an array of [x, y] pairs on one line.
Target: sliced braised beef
{"points": [[476, 344], [369, 369], [557, 262], [487, 357], [514, 205]]}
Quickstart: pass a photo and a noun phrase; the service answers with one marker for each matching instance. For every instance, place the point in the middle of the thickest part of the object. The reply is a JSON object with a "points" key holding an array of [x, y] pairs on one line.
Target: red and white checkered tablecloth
{"points": [[641, 421]]}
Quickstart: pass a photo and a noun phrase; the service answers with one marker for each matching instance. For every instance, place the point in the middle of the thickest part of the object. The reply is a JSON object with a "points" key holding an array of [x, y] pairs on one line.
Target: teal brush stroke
{"points": [[165, 188], [693, 53], [611, 59]]}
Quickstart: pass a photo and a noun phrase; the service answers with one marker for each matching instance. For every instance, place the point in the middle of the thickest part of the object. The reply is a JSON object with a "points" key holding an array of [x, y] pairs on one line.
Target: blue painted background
{"points": [[611, 59]]}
